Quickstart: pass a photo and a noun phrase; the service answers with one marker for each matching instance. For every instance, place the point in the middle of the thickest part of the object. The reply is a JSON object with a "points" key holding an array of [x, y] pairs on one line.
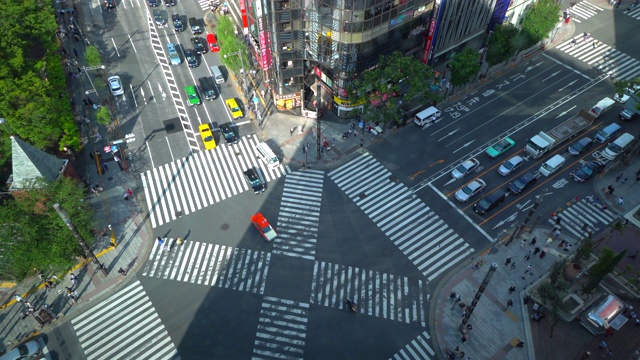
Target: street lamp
{"points": [[86, 71]]}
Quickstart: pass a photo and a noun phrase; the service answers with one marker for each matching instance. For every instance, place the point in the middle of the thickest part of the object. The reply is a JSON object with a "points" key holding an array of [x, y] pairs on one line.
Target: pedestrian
{"points": [[75, 52], [603, 345], [604, 207], [533, 241], [74, 279], [125, 196], [159, 240], [556, 234], [574, 42], [624, 180], [509, 303], [619, 177], [513, 266], [528, 256], [520, 344], [464, 338], [452, 295], [18, 298], [507, 261], [585, 355], [637, 322], [620, 201], [90, 101], [558, 220], [85, 102], [528, 268], [536, 250], [608, 332], [549, 241], [542, 254], [512, 289], [523, 242], [291, 131]]}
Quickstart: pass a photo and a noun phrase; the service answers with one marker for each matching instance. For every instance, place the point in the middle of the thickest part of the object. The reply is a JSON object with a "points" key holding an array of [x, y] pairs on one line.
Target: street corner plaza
{"points": [[202, 179]]}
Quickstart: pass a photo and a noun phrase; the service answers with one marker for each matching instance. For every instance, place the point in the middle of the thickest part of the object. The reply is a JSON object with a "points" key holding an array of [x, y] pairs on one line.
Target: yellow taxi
{"points": [[236, 112], [207, 136]]}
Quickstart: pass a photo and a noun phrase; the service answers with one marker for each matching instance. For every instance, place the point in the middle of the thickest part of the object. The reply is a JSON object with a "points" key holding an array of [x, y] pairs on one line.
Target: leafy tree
{"points": [[234, 53], [500, 46], [33, 235], [556, 271], [605, 265], [584, 250], [103, 116], [383, 88], [464, 67], [92, 56], [540, 19]]}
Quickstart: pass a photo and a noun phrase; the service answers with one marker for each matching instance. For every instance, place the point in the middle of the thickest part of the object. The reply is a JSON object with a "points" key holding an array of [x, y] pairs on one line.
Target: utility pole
{"points": [[517, 231], [83, 244], [481, 289]]}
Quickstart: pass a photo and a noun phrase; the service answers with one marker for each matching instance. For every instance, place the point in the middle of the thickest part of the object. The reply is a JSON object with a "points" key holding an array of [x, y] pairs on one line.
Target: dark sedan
{"points": [[254, 180], [588, 171], [580, 146]]}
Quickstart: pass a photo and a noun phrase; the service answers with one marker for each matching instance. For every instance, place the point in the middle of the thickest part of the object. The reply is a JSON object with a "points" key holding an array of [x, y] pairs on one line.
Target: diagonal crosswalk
{"points": [[125, 326], [209, 265], [417, 349], [634, 13], [377, 294], [202, 179], [299, 216], [282, 329], [602, 57], [584, 10], [581, 213], [417, 231]]}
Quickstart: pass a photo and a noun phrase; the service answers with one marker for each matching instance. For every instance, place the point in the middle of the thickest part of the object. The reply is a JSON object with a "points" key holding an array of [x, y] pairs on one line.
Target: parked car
{"points": [[115, 85], [511, 165], [587, 171], [207, 136], [470, 190], [500, 147], [465, 168], [580, 146], [254, 181], [523, 183], [227, 132]]}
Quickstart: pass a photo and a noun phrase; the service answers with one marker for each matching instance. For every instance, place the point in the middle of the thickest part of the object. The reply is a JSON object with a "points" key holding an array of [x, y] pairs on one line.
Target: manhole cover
{"points": [[393, 179], [224, 227], [362, 195]]}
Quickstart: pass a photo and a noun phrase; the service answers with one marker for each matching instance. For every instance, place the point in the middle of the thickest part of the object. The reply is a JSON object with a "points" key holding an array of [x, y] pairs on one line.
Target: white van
{"points": [[266, 154], [617, 147], [427, 115], [552, 165], [217, 74]]}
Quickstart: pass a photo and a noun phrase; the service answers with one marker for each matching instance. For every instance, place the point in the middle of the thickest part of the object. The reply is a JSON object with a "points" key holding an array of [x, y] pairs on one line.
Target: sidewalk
{"points": [[498, 328], [125, 216]]}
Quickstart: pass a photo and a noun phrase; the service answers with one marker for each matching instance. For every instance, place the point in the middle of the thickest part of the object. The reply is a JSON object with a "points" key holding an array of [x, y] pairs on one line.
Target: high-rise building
{"points": [[334, 40]]}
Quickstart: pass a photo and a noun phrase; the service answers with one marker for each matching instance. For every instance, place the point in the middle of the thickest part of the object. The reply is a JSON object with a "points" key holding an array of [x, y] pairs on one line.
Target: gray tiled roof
{"points": [[30, 163]]}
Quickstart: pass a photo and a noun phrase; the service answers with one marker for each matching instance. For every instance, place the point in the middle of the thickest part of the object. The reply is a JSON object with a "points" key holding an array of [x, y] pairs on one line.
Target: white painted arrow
{"points": [[551, 76], [569, 84], [509, 219], [464, 146], [566, 112]]}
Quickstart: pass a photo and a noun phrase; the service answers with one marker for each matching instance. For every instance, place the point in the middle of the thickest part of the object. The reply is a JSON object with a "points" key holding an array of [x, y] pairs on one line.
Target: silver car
{"points": [[115, 85], [510, 165], [465, 168], [470, 190]]}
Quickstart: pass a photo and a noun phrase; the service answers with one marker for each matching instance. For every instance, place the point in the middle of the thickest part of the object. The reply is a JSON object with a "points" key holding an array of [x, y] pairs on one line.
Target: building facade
{"points": [[306, 45]]}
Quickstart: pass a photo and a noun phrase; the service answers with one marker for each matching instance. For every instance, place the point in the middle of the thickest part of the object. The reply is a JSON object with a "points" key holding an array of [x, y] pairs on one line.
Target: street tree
{"points": [[34, 237], [234, 53], [500, 46], [464, 67], [396, 78], [103, 116], [92, 56], [541, 17], [605, 265]]}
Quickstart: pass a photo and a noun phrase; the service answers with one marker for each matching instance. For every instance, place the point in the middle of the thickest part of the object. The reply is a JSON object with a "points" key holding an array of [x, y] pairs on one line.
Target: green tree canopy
{"points": [[464, 67], [380, 89], [500, 47], [605, 265], [234, 53], [92, 56], [33, 236], [541, 17], [103, 116]]}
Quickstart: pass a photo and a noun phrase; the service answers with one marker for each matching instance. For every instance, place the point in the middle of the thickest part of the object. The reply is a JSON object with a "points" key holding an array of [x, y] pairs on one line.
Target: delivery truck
{"points": [[547, 140]]}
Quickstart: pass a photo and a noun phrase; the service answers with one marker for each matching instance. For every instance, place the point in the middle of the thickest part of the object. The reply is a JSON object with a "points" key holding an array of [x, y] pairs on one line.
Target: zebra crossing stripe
{"points": [[603, 57], [635, 13], [202, 179], [417, 349], [411, 225], [124, 326], [580, 213], [377, 294], [209, 265], [282, 329]]}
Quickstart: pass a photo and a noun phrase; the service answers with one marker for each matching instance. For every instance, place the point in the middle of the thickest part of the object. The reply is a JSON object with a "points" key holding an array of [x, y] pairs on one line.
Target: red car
{"points": [[213, 43], [263, 226]]}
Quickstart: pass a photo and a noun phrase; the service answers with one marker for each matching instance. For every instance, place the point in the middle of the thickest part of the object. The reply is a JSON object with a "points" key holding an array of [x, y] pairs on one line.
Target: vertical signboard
{"points": [[243, 14]]}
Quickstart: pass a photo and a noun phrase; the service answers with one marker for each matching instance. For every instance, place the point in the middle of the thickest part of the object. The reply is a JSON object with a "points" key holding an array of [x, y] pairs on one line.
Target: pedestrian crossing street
{"points": [[299, 217], [202, 179], [417, 349], [574, 217], [417, 231], [634, 13], [125, 326], [282, 329], [584, 10], [603, 57], [377, 294], [209, 265]]}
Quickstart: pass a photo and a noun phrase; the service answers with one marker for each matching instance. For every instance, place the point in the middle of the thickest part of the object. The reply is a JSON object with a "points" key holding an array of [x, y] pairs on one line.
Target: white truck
{"points": [[546, 140], [602, 106]]}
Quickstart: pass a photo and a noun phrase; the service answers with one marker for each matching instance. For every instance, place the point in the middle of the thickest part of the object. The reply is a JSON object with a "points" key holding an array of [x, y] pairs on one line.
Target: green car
{"points": [[500, 147], [192, 95]]}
